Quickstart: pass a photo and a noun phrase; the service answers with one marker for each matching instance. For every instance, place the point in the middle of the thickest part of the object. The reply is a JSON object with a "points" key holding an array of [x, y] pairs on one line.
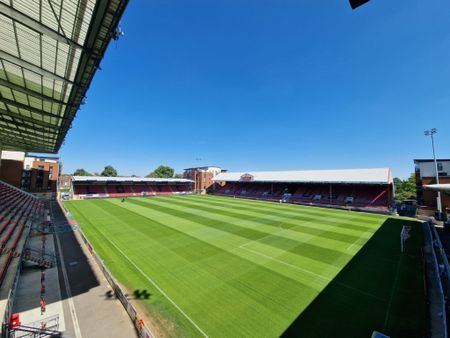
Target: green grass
{"points": [[227, 267]]}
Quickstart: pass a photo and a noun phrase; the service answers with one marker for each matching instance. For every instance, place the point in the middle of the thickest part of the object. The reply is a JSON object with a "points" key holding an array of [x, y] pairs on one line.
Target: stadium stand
{"points": [[356, 188], [101, 187], [18, 211], [37, 94], [49, 56]]}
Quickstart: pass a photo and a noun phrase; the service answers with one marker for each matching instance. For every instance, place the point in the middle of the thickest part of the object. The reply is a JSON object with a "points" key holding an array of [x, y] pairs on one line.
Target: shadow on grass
{"points": [[137, 294], [141, 294], [379, 289], [80, 275]]}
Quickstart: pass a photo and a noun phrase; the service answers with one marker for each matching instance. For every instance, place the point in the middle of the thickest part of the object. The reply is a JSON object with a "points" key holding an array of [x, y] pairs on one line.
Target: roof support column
{"points": [[390, 193], [331, 194]]}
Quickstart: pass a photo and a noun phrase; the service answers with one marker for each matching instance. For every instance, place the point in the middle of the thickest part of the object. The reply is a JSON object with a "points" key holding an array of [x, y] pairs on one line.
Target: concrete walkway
{"points": [[89, 312], [27, 300], [78, 297]]}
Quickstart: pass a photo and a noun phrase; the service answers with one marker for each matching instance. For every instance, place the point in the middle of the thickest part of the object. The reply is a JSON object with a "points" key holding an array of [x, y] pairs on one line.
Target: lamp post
{"points": [[197, 180], [431, 133]]}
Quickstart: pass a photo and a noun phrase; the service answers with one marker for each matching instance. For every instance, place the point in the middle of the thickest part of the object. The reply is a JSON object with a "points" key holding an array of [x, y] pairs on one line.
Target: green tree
{"points": [[162, 171], [179, 175], [397, 181], [109, 171], [405, 189], [81, 172]]}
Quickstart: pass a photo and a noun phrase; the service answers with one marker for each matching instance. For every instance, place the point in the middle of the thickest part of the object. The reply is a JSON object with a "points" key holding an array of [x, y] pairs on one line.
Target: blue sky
{"points": [[268, 85]]}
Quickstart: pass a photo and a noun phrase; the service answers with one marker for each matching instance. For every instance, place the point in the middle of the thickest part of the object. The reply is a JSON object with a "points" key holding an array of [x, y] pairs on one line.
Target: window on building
{"points": [[440, 166], [26, 180], [49, 181], [39, 178]]}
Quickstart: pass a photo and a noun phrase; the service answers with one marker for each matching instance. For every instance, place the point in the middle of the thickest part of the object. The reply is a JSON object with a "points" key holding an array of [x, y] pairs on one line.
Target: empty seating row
{"points": [[129, 190], [17, 210], [363, 196]]}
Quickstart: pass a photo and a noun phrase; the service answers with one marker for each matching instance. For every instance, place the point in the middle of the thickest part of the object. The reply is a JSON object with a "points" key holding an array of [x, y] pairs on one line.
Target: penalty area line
{"points": [[156, 286], [285, 263], [283, 230], [358, 239], [394, 288]]}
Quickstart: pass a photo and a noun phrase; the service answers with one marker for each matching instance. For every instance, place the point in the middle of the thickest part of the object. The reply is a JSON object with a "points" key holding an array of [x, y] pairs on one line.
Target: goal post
{"points": [[404, 235]]}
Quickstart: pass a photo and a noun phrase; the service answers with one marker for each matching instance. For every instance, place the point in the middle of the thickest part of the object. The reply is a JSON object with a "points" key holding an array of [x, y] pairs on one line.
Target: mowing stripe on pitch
{"points": [[282, 230], [155, 285], [312, 273]]}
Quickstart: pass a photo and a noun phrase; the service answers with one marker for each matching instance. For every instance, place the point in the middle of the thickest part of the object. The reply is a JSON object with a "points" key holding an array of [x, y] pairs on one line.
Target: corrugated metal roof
{"points": [[128, 179], [370, 176], [49, 53]]}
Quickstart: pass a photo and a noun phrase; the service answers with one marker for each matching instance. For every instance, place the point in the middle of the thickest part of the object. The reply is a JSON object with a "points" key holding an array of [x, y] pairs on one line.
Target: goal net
{"points": [[404, 235]]}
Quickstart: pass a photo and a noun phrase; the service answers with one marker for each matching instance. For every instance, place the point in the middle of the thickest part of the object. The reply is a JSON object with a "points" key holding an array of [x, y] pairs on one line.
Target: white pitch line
{"points": [[286, 229], [156, 286], [290, 265], [386, 319], [362, 236]]}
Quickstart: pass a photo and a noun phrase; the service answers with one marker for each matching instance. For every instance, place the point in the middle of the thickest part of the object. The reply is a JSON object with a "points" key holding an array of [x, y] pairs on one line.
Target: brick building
{"points": [[202, 177], [11, 167], [35, 174], [65, 182], [426, 174]]}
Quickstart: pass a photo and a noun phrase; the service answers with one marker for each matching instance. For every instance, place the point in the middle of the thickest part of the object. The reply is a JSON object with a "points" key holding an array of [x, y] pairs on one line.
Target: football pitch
{"points": [[223, 267]]}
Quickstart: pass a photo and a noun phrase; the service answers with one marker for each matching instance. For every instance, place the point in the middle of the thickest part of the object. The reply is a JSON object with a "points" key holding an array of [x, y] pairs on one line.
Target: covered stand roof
{"points": [[353, 176], [439, 187], [105, 179], [49, 52]]}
